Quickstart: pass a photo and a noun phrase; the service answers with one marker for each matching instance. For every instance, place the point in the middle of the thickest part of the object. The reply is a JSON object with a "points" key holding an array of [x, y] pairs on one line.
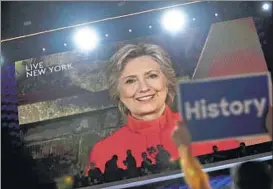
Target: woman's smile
{"points": [[145, 98]]}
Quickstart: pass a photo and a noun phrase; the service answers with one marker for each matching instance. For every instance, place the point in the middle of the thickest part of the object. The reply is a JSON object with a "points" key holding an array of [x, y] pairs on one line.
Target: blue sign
{"points": [[225, 107]]}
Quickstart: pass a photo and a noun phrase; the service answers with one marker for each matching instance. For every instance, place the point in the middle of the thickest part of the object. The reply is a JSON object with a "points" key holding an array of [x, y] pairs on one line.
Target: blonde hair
{"points": [[129, 52]]}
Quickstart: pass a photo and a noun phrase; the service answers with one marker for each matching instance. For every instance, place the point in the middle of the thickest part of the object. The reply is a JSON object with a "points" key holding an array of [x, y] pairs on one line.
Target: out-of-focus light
{"points": [[216, 14], [193, 19], [266, 6], [65, 44], [68, 179], [86, 39], [2, 60], [173, 20], [150, 27], [130, 30], [44, 49], [106, 35]]}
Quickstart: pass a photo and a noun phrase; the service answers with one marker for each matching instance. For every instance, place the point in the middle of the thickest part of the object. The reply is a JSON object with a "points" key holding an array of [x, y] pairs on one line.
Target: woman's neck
{"points": [[150, 116]]}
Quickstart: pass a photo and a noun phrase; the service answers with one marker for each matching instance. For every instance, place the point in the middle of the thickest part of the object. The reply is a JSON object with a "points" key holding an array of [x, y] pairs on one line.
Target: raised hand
{"points": [[181, 134]]}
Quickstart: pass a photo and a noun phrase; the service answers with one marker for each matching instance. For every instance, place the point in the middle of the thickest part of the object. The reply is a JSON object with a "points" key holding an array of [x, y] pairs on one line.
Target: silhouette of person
{"points": [[162, 158], [215, 149], [112, 172], [130, 162], [146, 164], [217, 155], [251, 175], [95, 174], [242, 150]]}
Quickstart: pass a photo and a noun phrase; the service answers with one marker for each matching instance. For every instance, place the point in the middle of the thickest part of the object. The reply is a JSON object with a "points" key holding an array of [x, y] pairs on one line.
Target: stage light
{"points": [[130, 30], [150, 27], [106, 35], [173, 20], [86, 39], [266, 6], [65, 44], [43, 49], [193, 19], [216, 14]]}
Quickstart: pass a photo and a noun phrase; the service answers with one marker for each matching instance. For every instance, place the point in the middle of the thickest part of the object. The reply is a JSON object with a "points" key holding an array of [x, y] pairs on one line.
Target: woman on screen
{"points": [[143, 82]]}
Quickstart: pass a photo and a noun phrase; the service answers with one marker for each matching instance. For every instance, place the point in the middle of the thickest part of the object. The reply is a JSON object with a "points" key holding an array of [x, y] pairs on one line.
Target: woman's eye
{"points": [[153, 76], [129, 81]]}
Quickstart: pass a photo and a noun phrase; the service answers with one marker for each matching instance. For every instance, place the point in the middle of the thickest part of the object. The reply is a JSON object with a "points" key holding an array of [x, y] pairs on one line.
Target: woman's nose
{"points": [[143, 85]]}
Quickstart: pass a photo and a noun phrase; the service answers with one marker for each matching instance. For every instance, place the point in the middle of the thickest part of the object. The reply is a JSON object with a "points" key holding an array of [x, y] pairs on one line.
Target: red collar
{"points": [[152, 126]]}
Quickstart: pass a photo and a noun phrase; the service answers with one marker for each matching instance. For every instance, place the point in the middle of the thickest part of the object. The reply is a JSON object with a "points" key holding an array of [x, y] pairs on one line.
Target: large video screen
{"points": [[66, 108]]}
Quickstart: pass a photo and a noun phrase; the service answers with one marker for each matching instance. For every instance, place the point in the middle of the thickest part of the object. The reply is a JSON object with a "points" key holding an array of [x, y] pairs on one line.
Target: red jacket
{"points": [[139, 135]]}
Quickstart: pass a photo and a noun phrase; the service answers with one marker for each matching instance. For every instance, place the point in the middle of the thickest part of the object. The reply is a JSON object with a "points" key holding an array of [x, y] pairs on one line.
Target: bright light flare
{"points": [[86, 39], [266, 6], [173, 20]]}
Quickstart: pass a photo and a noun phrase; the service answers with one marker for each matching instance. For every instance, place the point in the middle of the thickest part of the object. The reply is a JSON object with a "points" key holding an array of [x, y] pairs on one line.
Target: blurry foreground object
{"points": [[252, 175], [65, 182], [195, 177]]}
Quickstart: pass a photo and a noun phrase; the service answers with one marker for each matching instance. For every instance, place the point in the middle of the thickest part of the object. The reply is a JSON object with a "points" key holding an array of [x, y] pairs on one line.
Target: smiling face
{"points": [[143, 88]]}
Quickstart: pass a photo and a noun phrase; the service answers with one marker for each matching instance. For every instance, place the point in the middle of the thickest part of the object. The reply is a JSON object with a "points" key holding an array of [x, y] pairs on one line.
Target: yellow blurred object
{"points": [[195, 177], [69, 179], [65, 182]]}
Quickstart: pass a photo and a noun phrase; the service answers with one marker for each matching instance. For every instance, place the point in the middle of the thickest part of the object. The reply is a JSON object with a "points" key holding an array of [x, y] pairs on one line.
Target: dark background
{"points": [[51, 15]]}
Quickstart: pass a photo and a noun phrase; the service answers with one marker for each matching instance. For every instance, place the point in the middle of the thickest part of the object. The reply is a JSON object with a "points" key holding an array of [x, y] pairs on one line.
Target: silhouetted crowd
{"points": [[114, 173], [162, 163]]}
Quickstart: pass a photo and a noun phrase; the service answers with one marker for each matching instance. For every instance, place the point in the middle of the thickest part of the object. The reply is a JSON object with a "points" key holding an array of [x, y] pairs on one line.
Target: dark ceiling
{"points": [[45, 15]]}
